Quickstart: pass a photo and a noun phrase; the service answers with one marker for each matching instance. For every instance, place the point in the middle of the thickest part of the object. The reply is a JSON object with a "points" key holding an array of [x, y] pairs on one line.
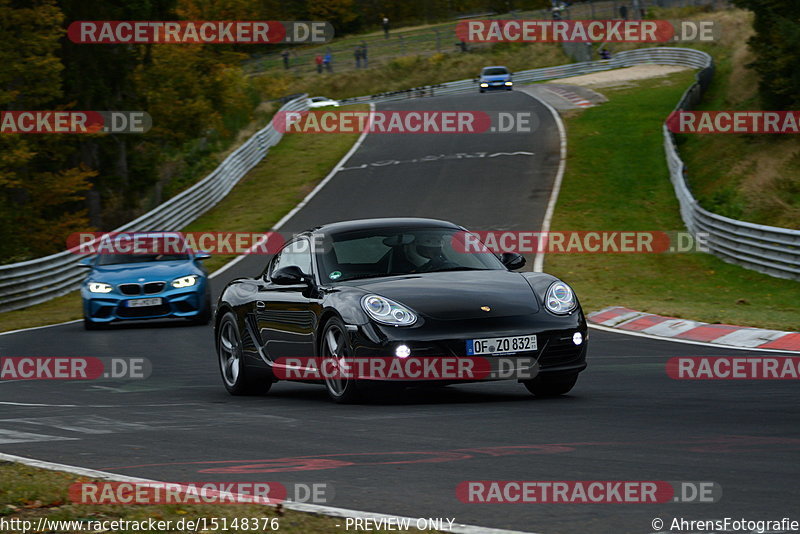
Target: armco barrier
{"points": [[31, 282], [767, 249]]}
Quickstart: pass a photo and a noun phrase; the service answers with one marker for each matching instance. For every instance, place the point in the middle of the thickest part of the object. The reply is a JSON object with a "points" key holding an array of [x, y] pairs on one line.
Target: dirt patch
{"points": [[617, 77]]}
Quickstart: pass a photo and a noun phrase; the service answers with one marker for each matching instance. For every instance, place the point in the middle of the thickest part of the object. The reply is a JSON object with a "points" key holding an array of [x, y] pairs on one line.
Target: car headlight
{"points": [[484, 85], [509, 83], [185, 281], [387, 311], [560, 298], [99, 287]]}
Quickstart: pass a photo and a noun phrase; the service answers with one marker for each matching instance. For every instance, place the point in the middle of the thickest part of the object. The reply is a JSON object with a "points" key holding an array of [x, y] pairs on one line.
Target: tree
{"points": [[776, 45]]}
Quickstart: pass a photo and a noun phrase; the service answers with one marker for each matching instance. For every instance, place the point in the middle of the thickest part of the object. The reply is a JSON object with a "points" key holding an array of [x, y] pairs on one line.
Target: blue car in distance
{"points": [[495, 78], [124, 287]]}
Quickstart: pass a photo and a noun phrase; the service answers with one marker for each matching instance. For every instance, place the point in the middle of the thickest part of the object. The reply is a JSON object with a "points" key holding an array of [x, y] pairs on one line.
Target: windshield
{"points": [[494, 71], [114, 259], [397, 251]]}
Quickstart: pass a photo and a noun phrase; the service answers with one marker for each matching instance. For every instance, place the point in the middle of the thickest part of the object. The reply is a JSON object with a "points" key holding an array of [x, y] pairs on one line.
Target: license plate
{"points": [[494, 345], [141, 303]]}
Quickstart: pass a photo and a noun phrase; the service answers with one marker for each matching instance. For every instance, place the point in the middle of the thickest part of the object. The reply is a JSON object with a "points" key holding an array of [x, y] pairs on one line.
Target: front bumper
{"points": [[110, 307], [556, 353], [496, 86]]}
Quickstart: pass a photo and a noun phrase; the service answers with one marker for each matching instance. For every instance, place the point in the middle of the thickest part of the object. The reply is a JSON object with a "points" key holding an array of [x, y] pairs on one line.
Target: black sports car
{"points": [[397, 292]]}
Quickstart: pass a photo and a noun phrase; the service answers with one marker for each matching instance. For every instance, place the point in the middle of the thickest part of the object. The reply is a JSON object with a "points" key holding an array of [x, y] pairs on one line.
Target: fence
{"points": [[766, 249], [442, 37], [32, 282]]}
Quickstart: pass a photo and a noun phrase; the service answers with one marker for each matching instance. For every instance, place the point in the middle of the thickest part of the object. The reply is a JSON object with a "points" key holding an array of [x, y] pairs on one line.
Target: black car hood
{"points": [[458, 295]]}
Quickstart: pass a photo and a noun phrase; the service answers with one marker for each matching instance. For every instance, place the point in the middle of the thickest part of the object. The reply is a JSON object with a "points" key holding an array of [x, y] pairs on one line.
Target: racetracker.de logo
{"points": [[185, 493], [587, 491], [75, 122], [584, 31], [734, 122], [734, 368], [73, 368], [199, 32], [224, 243]]}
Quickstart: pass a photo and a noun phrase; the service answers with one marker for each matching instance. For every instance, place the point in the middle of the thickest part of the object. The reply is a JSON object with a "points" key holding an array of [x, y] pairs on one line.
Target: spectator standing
{"points": [[385, 24], [364, 54], [357, 55], [328, 62], [623, 12], [318, 60], [285, 56]]}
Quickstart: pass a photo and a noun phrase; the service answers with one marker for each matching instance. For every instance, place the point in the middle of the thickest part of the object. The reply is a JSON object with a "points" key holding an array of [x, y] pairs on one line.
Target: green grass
{"points": [[258, 201], [617, 179], [27, 493]]}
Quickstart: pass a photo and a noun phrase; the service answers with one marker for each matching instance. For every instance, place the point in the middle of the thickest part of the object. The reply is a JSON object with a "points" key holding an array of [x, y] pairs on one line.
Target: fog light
{"points": [[577, 338], [509, 83], [402, 351], [484, 85]]}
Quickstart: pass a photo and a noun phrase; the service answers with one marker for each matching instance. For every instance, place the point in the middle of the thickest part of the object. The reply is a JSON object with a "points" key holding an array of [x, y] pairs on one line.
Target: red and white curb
{"points": [[570, 96], [683, 329]]}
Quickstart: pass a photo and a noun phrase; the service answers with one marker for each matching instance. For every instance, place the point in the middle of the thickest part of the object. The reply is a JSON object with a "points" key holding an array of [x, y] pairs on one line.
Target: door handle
{"points": [[260, 304]]}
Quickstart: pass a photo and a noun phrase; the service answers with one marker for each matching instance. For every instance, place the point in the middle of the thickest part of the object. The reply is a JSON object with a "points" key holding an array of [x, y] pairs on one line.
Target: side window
{"points": [[296, 253]]}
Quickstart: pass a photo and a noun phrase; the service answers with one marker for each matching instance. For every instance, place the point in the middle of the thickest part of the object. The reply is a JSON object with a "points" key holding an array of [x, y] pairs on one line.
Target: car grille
{"points": [[154, 287], [149, 288], [130, 289], [559, 352]]}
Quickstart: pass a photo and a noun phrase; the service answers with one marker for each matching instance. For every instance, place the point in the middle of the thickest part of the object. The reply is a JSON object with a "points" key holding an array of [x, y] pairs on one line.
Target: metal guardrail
{"points": [[770, 250], [32, 282], [767, 249]]}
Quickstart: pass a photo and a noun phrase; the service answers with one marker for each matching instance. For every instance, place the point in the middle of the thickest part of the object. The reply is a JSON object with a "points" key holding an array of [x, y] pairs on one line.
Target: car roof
{"points": [[388, 222], [495, 67]]}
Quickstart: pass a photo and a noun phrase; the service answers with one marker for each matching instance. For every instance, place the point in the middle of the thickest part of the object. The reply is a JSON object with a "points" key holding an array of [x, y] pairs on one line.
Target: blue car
{"points": [[124, 287], [495, 78]]}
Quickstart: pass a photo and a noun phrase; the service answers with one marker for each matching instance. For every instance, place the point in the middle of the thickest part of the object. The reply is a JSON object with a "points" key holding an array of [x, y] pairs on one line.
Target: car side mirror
{"points": [[289, 276], [87, 263], [512, 260]]}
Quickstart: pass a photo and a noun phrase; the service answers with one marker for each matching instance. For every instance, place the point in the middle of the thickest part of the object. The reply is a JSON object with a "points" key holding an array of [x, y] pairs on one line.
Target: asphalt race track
{"points": [[625, 420]]}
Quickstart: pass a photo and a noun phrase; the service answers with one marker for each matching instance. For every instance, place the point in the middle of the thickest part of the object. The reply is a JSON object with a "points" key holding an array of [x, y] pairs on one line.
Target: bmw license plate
{"points": [[141, 303], [494, 345]]}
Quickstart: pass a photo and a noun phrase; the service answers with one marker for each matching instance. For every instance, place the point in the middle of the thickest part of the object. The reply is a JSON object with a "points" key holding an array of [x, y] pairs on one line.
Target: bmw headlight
{"points": [[387, 311], [185, 281], [99, 287], [560, 298], [509, 83], [484, 85]]}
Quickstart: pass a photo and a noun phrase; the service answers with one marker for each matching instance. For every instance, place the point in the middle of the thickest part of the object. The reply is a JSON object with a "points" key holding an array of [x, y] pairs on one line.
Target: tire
{"points": [[551, 386], [236, 378], [335, 345]]}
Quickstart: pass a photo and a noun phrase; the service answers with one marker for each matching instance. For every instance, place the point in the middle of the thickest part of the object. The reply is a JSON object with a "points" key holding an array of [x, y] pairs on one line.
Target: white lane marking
{"points": [[538, 262], [329, 511], [39, 327], [38, 405], [306, 200], [15, 436], [686, 341], [437, 157], [83, 424]]}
